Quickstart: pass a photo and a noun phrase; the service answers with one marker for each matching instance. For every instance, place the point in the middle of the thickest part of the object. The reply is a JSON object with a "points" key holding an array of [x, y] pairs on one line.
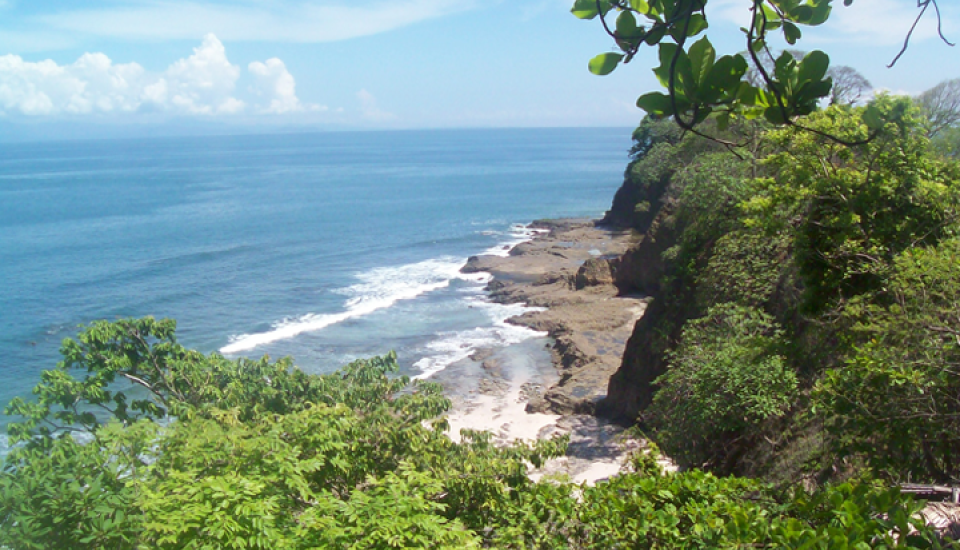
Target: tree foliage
{"points": [[699, 82], [897, 398], [353, 459], [725, 379], [855, 208], [259, 454], [805, 321]]}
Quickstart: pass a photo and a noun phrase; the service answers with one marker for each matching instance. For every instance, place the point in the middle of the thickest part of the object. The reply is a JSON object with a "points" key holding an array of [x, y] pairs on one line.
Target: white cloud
{"points": [[201, 84], [275, 82], [370, 109], [90, 84], [286, 21]]}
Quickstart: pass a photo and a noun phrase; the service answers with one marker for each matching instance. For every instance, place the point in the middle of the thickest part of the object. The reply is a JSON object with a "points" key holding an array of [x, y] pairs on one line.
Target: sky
{"points": [[86, 66]]}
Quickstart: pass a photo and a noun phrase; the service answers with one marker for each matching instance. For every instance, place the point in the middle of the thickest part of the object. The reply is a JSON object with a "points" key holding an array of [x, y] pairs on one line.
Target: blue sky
{"points": [[379, 64]]}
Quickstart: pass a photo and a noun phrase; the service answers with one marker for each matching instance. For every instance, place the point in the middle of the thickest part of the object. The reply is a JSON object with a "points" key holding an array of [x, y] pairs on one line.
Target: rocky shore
{"points": [[569, 271], [566, 274]]}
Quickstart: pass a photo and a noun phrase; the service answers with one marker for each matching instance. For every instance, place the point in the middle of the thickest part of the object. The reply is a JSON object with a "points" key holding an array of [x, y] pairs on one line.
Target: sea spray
{"points": [[383, 287], [378, 289]]}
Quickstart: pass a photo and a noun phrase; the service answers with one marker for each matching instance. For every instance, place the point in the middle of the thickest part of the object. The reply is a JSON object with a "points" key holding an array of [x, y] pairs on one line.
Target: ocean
{"points": [[326, 247]]}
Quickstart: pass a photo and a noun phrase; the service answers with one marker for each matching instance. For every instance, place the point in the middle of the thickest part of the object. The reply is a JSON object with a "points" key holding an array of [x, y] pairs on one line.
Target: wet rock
{"points": [[478, 264], [481, 355], [596, 271]]}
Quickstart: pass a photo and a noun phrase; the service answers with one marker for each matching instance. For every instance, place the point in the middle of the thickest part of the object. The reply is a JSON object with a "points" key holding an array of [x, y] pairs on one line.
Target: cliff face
{"points": [[641, 270], [631, 387], [644, 203], [638, 201]]}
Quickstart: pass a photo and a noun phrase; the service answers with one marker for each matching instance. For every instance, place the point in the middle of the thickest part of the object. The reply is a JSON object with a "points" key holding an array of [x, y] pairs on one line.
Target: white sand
{"points": [[596, 451], [504, 415]]}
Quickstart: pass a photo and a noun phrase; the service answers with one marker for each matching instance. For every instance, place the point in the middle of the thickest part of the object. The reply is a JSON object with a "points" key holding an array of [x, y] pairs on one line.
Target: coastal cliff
{"points": [[800, 296]]}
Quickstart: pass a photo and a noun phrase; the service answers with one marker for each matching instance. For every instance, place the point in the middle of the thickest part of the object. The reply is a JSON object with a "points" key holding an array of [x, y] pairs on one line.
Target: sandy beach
{"points": [[549, 386]]}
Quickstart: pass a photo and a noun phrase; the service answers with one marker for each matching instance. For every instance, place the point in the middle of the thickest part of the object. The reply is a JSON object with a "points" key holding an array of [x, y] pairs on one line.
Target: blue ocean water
{"points": [[326, 247]]}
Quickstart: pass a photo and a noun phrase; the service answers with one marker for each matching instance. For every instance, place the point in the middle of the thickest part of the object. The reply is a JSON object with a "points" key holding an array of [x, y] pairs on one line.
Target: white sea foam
{"points": [[455, 346], [479, 277], [378, 289], [383, 287], [518, 234]]}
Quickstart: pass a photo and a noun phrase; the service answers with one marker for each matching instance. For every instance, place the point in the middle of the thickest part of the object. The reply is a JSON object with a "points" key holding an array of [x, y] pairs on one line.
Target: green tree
{"points": [[725, 379], [896, 401], [258, 455], [852, 209], [353, 459]]}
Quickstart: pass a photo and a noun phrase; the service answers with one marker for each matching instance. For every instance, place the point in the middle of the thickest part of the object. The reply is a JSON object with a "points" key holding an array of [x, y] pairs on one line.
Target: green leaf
{"points": [[702, 114], [640, 5], [723, 79], [774, 114], [702, 55], [604, 63], [684, 83], [813, 67], [656, 104], [626, 25], [811, 91], [783, 67], [698, 24], [801, 14], [587, 9], [666, 53], [791, 32], [654, 11], [655, 35], [821, 12]]}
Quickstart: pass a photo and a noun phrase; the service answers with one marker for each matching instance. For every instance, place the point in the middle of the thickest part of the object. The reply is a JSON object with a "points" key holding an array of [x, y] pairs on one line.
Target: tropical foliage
{"points": [[263, 455], [700, 84], [808, 322]]}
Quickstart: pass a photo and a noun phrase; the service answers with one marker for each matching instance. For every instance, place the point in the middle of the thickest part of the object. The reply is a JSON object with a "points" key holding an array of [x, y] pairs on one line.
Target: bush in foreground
{"points": [[262, 455]]}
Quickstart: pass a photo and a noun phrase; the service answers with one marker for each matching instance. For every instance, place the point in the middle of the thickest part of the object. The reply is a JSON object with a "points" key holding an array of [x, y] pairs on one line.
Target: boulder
{"points": [[595, 272], [477, 264]]}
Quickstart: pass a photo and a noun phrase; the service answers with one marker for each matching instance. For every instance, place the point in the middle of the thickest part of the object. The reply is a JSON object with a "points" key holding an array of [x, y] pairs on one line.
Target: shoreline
{"points": [[550, 386]]}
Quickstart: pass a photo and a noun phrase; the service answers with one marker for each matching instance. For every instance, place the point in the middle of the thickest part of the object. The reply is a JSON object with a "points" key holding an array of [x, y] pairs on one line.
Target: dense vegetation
{"points": [[262, 455], [806, 314]]}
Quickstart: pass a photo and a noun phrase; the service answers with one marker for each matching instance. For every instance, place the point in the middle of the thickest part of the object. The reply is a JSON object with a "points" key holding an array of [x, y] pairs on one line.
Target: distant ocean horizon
{"points": [[326, 247]]}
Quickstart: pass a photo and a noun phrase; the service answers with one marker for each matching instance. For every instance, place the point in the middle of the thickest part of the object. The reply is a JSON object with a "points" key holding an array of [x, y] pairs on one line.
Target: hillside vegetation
{"points": [[806, 313]]}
